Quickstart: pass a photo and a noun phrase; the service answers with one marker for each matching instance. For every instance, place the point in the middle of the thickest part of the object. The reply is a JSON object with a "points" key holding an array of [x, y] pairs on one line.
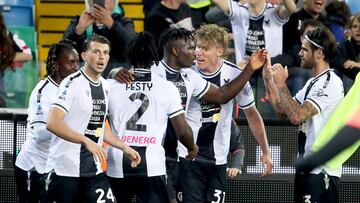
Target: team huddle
{"points": [[170, 119]]}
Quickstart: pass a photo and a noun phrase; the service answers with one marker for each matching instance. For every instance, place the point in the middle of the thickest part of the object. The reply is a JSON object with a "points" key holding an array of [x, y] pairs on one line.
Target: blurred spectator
{"points": [[348, 61], [337, 16], [13, 52], [256, 25], [168, 14], [311, 10], [107, 21], [198, 11]]}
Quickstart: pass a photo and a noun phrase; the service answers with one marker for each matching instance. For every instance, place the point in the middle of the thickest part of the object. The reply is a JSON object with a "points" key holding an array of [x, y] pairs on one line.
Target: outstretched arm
{"points": [[285, 10], [222, 5], [222, 95]]}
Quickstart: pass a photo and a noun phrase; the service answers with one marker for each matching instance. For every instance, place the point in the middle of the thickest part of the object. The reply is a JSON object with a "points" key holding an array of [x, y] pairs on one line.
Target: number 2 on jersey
{"points": [[131, 123]]}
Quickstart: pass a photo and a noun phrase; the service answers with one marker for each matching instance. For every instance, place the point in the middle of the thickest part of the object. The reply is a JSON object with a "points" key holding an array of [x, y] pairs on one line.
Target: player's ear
{"points": [[220, 51], [83, 55], [319, 53], [175, 51]]}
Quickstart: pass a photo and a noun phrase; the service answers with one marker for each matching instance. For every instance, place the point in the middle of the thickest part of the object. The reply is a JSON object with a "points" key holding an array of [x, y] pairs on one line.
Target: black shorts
{"points": [[202, 182], [28, 185], [316, 188], [145, 189], [77, 189], [172, 173]]}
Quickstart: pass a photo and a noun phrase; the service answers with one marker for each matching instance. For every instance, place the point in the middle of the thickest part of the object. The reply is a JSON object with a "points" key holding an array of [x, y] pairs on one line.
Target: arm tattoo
{"points": [[296, 112]]}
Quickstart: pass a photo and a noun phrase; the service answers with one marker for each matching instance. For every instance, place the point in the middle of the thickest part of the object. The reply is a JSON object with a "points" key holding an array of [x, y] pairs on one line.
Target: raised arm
{"points": [[297, 113], [285, 10], [222, 4], [222, 95], [271, 90]]}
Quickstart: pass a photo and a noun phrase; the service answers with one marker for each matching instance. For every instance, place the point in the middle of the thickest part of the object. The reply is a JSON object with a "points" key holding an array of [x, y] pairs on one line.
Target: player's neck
{"points": [[91, 74], [319, 68], [57, 79], [213, 67], [171, 62], [257, 9]]}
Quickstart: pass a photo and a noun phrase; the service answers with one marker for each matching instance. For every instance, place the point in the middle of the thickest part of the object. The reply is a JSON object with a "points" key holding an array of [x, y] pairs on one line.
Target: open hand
{"points": [[124, 76], [258, 59], [103, 15]]}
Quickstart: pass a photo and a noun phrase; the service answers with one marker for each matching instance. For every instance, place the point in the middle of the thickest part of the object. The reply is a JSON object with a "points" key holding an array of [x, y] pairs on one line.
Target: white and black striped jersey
{"points": [[211, 123], [189, 84], [138, 115], [251, 32], [35, 150], [85, 104], [324, 92]]}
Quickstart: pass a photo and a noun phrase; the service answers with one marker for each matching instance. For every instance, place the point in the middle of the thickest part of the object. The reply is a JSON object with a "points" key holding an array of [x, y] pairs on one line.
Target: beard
{"points": [[307, 64]]}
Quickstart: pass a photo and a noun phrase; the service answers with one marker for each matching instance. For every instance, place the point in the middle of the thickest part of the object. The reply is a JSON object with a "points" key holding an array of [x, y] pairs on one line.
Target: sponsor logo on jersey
{"points": [[320, 93], [96, 133], [62, 96], [39, 110], [138, 139]]}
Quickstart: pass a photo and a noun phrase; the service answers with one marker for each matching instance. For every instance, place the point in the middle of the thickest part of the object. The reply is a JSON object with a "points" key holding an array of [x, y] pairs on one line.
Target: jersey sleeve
{"points": [[65, 95], [299, 96], [245, 97], [174, 108], [323, 94], [201, 85], [234, 11]]}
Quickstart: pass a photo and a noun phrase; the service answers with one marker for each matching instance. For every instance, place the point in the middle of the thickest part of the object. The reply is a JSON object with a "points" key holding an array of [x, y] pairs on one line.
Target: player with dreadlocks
{"points": [[30, 163], [178, 48], [139, 113]]}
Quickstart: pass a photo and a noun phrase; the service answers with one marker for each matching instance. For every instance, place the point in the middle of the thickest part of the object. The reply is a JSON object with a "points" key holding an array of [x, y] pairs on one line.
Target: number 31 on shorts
{"points": [[220, 196]]}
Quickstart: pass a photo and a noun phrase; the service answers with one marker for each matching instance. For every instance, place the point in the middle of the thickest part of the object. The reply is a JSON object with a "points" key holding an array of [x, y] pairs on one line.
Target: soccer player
{"points": [[310, 108], [30, 163], [77, 119], [339, 139], [178, 47], [211, 122], [138, 114]]}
